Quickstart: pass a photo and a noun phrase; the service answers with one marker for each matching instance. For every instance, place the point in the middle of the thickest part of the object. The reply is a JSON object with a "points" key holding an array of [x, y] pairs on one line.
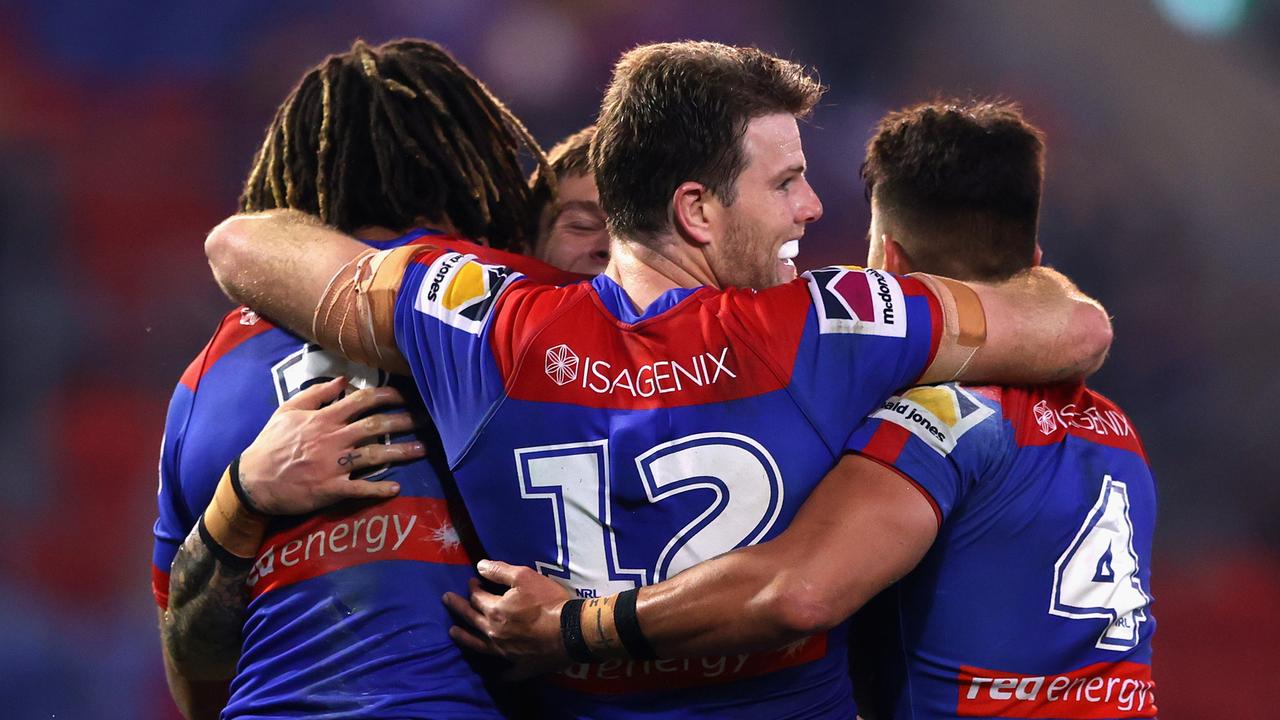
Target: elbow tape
{"points": [[356, 314], [964, 325]]}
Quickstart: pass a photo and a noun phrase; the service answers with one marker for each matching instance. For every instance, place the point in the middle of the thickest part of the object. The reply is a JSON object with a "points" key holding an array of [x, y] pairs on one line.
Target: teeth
{"points": [[789, 250]]}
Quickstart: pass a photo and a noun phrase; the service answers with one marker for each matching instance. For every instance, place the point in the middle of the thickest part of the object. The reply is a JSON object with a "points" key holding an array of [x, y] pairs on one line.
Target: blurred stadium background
{"points": [[127, 127]]}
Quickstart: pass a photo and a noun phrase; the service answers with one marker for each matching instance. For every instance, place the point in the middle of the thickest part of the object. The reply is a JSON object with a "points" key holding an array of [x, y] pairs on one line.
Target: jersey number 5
{"points": [[1097, 575], [743, 476]]}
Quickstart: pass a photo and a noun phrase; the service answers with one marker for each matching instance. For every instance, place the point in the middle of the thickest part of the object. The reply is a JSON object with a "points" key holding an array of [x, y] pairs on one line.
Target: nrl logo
{"points": [[562, 364]]}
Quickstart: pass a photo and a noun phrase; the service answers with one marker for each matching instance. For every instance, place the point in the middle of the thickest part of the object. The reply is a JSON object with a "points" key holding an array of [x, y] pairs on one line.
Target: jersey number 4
{"points": [[1097, 575], [574, 478]]}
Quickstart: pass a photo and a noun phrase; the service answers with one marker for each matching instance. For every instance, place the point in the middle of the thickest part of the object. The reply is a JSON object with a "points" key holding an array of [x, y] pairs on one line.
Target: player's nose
{"points": [[810, 207], [600, 247]]}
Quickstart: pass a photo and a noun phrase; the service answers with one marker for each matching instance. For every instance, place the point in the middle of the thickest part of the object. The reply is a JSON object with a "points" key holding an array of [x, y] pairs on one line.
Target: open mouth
{"points": [[786, 255], [788, 252]]}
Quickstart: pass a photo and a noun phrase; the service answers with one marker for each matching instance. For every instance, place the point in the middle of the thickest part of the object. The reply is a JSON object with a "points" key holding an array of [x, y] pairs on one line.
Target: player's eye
{"points": [[581, 222]]}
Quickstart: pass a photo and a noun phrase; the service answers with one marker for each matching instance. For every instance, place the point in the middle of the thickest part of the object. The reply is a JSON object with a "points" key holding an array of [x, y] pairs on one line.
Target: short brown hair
{"points": [[676, 112], [571, 156], [960, 182]]}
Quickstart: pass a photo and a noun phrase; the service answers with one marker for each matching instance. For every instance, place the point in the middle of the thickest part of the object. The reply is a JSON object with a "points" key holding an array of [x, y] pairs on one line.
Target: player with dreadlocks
{"points": [[577, 419], [313, 602], [394, 136]]}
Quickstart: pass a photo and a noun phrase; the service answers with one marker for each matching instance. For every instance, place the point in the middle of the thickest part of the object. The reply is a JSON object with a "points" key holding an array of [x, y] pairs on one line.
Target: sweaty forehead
{"points": [[772, 142]]}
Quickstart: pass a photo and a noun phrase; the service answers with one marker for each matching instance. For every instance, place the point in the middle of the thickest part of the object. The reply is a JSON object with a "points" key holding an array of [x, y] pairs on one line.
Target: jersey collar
{"points": [[404, 239], [618, 303]]}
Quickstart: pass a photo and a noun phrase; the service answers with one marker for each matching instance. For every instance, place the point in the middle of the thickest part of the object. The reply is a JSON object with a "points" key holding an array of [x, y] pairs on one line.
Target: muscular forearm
{"points": [[861, 530], [201, 629], [1071, 330], [754, 598], [278, 263], [743, 601], [196, 699], [1039, 328], [310, 279]]}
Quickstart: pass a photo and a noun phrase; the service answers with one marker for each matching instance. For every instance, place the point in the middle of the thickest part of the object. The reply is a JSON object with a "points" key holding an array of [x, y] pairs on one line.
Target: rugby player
{"points": [[393, 144], [1027, 513], [571, 231], [617, 432]]}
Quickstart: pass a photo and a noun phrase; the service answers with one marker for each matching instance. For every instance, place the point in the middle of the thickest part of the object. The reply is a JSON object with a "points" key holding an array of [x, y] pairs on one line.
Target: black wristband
{"points": [[628, 625], [223, 555], [233, 470], [571, 632]]}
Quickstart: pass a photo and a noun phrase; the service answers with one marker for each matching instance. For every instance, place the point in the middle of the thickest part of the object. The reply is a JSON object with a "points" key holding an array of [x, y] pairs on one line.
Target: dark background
{"points": [[127, 128]]}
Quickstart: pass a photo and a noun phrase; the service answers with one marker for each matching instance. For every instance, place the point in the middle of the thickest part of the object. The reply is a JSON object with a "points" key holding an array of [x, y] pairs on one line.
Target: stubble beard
{"points": [[746, 267]]}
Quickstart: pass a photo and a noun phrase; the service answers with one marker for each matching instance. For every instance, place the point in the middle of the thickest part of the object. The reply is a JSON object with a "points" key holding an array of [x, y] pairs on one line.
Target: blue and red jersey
{"points": [[344, 618], [611, 448], [1034, 601]]}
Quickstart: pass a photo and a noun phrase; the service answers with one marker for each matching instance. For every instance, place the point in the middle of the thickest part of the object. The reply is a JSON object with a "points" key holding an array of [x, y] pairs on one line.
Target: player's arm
{"points": [[307, 277], [300, 462], [200, 629], [861, 529], [1036, 327], [196, 699], [197, 696]]}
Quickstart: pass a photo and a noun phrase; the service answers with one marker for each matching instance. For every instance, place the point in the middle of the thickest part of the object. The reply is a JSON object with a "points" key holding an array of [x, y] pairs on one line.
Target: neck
{"points": [[646, 270], [381, 232]]}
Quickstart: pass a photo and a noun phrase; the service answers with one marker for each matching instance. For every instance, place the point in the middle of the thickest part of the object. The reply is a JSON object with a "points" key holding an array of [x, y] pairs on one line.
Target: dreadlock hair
{"points": [[391, 135]]}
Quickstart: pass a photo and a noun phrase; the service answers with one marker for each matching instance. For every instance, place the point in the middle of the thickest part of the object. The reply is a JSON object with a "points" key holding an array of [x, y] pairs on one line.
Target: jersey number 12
{"points": [[742, 475]]}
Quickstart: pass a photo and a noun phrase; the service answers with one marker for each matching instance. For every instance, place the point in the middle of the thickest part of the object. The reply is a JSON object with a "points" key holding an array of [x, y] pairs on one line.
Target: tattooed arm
{"points": [[196, 699], [201, 626], [207, 605], [300, 462]]}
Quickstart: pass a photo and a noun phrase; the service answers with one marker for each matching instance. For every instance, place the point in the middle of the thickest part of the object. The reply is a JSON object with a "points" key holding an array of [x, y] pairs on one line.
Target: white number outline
{"points": [[658, 492], [1062, 609], [555, 494], [327, 366], [316, 365]]}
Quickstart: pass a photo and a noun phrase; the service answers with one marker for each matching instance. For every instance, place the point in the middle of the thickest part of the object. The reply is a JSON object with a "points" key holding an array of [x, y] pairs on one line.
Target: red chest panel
{"points": [[712, 347]]}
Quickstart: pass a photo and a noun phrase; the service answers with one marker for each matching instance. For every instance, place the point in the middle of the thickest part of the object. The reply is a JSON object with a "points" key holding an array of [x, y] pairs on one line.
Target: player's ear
{"points": [[896, 258], [694, 213]]}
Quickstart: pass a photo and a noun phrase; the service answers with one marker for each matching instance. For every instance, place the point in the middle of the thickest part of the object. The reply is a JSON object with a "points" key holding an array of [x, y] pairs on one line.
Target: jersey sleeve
{"points": [[942, 438], [174, 519], [170, 518], [443, 326], [867, 335], [219, 405]]}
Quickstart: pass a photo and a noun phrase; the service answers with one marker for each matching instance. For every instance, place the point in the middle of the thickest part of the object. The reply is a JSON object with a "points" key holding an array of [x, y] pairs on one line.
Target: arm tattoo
{"points": [[207, 607]]}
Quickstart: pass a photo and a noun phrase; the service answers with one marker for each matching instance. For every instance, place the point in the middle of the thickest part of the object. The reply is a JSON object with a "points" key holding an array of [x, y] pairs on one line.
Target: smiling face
{"points": [[574, 236], [759, 233]]}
